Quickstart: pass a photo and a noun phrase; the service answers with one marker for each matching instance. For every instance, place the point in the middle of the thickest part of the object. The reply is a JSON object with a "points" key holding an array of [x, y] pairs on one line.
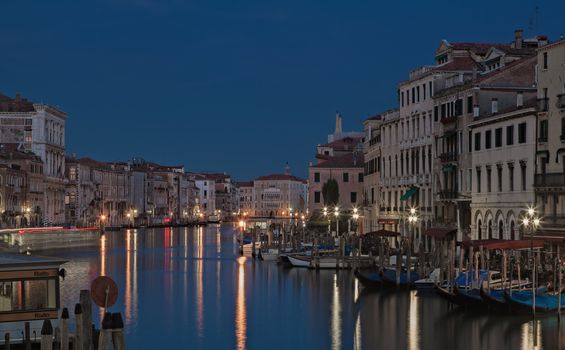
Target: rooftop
{"points": [[350, 160], [9, 260], [280, 177]]}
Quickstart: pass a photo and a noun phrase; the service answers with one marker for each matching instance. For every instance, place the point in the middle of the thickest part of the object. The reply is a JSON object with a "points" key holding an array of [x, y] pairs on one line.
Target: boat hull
{"points": [[369, 279]]}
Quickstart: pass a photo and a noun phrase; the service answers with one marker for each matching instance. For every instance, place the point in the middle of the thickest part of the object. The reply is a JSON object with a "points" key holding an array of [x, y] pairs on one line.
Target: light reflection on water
{"points": [[188, 287]]}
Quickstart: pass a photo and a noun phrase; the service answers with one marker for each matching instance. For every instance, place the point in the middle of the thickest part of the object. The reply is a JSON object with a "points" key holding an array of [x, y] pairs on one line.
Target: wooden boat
{"points": [[444, 292], [407, 279], [370, 278], [40, 238], [428, 283], [494, 297], [269, 255], [299, 260], [522, 301]]}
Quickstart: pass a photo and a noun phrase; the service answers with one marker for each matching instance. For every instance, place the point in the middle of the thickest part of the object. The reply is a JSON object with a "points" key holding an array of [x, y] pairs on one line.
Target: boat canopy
{"points": [[439, 232], [505, 244], [383, 233]]}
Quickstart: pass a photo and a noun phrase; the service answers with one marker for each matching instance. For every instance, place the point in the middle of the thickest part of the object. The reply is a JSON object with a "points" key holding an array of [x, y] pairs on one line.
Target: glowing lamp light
{"points": [[526, 222]]}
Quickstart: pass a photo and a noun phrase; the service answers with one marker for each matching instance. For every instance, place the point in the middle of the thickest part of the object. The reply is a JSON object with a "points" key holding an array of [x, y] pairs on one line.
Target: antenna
{"points": [[532, 21]]}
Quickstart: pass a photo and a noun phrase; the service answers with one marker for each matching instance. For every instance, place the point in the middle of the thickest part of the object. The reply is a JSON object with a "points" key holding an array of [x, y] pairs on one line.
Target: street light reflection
{"points": [[240, 308]]}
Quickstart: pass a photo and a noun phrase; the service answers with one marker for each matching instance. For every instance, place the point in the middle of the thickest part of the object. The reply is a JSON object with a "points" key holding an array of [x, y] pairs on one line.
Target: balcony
{"points": [[543, 104], [448, 120], [550, 180], [447, 194], [561, 101], [448, 157]]}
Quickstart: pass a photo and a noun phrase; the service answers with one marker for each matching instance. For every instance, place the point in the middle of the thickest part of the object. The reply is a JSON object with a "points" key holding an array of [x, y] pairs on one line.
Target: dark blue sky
{"points": [[236, 86]]}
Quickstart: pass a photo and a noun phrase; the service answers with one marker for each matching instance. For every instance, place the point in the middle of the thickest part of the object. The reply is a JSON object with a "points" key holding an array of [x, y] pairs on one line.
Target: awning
{"points": [[409, 193], [439, 232], [447, 168], [504, 244], [383, 233], [559, 151]]}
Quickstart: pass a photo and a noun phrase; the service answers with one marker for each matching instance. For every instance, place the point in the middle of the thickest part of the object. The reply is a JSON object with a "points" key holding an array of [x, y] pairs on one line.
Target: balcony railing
{"points": [[448, 157], [448, 120], [543, 104], [447, 194], [550, 180], [561, 101]]}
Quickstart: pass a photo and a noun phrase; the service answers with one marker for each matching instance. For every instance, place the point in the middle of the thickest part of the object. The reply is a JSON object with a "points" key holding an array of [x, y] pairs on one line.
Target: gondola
{"points": [[369, 278], [406, 279], [522, 302]]}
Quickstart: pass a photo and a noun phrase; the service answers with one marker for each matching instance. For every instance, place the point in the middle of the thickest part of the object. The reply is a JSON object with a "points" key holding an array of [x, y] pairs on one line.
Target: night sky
{"points": [[235, 86]]}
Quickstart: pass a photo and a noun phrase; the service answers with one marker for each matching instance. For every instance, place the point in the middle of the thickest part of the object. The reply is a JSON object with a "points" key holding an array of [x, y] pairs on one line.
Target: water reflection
{"points": [[240, 312], [190, 286]]}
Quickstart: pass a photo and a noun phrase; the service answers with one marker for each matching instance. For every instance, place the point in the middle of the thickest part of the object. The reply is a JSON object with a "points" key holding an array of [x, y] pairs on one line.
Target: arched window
{"points": [[490, 229], [479, 230], [500, 230], [512, 228]]}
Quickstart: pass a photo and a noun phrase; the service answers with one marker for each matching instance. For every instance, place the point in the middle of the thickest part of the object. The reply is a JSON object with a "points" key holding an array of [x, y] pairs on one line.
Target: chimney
{"points": [[519, 99], [475, 111], [494, 104], [518, 38], [337, 123], [542, 40]]}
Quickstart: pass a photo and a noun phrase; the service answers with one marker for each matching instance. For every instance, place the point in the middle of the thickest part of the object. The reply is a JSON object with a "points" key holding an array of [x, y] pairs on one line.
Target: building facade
{"points": [[549, 180]]}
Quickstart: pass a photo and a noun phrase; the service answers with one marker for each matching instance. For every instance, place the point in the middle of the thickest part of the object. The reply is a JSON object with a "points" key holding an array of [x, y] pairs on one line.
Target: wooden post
{"points": [[105, 332], [421, 261], [381, 254], [408, 264], [47, 335], [79, 336], [27, 336], [253, 240], [398, 262], [504, 270], [65, 329], [519, 274], [118, 339], [7, 341], [86, 306], [559, 287]]}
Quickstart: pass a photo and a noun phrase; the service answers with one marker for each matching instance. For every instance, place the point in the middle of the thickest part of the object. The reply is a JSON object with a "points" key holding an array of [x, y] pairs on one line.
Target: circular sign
{"points": [[104, 291]]}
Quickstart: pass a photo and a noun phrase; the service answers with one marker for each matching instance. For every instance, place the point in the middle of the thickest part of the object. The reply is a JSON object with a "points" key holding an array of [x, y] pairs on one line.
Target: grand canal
{"points": [[189, 288]]}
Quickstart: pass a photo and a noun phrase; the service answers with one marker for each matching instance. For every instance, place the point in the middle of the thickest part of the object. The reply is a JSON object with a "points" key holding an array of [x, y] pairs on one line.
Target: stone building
{"points": [[550, 170], [280, 196], [246, 195], [39, 128]]}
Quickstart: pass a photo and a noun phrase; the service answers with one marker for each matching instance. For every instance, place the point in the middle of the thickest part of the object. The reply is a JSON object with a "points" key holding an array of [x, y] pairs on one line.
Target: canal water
{"points": [[189, 288]]}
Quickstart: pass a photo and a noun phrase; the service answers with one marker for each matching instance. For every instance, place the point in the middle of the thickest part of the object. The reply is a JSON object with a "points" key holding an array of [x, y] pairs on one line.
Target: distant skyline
{"points": [[240, 87]]}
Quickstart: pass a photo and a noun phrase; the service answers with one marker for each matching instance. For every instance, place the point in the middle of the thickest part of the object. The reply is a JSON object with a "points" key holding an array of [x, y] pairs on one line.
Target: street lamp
{"points": [[531, 222], [336, 213], [328, 217]]}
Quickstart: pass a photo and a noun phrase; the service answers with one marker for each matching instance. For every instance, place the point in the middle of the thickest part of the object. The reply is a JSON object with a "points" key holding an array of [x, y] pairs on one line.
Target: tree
{"points": [[330, 191]]}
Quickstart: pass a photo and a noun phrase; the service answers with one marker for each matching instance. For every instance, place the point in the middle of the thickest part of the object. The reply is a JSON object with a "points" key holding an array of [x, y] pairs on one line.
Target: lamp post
{"points": [[412, 221], [328, 217], [336, 213], [531, 222], [355, 219]]}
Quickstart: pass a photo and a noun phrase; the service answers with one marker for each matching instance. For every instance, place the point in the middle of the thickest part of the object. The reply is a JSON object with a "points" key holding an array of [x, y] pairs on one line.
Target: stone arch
{"points": [[512, 224], [499, 222], [478, 225], [488, 223]]}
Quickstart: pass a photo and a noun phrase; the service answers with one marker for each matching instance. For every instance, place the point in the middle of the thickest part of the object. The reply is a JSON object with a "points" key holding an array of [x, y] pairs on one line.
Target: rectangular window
{"points": [[436, 113], [542, 131], [509, 135], [470, 104], [499, 178], [345, 177], [479, 180], [522, 133], [317, 197], [413, 96], [316, 177], [372, 195], [459, 107], [360, 177], [424, 90], [353, 197], [545, 60], [477, 141], [562, 128], [488, 138], [489, 179], [470, 181], [407, 97], [523, 171], [431, 90], [510, 177], [498, 137], [443, 111], [469, 141]]}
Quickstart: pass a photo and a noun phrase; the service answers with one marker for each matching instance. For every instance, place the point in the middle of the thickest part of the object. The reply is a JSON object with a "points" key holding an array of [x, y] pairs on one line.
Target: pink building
{"points": [[342, 160]]}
